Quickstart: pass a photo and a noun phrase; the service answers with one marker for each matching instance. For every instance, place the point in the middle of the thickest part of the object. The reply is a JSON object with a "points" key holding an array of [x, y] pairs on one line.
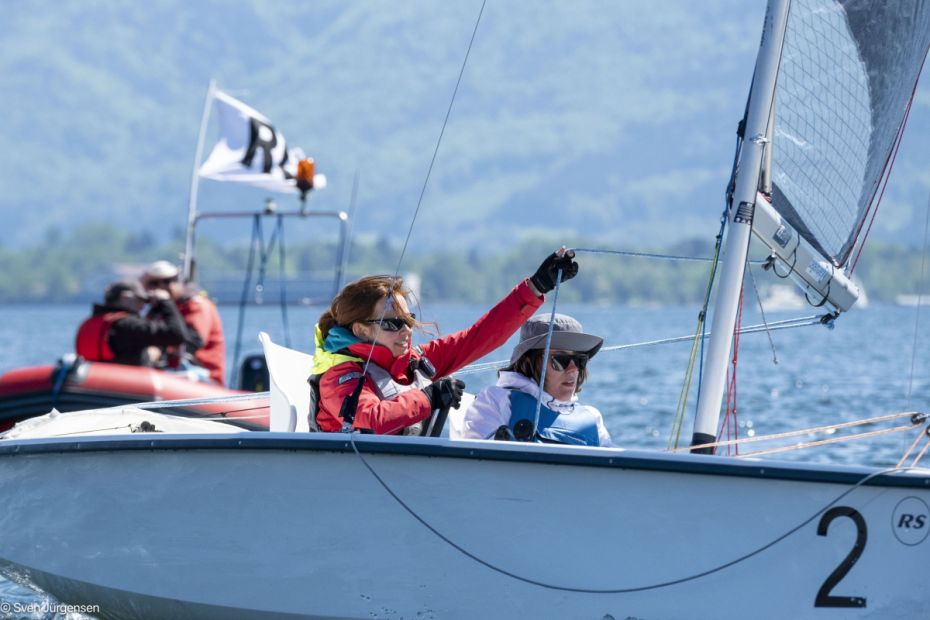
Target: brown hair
{"points": [[357, 300], [530, 365]]}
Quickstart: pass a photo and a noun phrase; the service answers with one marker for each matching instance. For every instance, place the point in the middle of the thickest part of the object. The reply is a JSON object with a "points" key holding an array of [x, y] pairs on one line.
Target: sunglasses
{"points": [[560, 361], [161, 283], [393, 324]]}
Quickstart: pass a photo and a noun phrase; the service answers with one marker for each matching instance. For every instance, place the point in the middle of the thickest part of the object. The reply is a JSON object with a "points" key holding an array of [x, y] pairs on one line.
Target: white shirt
{"points": [[491, 409]]}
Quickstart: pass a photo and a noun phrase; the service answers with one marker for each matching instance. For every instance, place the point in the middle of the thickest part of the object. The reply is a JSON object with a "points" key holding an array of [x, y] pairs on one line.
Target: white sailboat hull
{"points": [[278, 525]]}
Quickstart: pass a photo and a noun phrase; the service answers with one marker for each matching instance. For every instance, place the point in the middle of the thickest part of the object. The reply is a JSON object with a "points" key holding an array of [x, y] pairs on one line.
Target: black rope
{"points": [[243, 299], [654, 586], [771, 261], [826, 295], [264, 254], [282, 254]]}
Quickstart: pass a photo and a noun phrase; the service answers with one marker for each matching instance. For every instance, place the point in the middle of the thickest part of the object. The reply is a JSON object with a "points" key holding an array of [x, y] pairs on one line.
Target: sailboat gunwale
{"points": [[610, 458]]}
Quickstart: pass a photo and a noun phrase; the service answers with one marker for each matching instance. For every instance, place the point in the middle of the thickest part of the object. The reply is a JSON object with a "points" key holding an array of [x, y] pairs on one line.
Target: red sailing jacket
{"points": [[91, 341], [201, 314], [447, 355]]}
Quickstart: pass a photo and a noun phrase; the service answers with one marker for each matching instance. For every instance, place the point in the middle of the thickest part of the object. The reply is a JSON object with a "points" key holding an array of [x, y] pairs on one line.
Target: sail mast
{"points": [[740, 223]]}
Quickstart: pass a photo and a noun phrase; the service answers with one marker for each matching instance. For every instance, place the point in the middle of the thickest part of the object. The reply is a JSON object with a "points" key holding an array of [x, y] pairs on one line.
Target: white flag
{"points": [[250, 150]]}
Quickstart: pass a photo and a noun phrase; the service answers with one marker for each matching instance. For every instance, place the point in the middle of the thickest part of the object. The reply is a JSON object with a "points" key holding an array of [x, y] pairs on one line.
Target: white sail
{"points": [[847, 73]]}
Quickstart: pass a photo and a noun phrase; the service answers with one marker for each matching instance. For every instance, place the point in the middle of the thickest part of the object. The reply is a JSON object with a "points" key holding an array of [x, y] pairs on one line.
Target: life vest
{"points": [[91, 341], [576, 426], [387, 387]]}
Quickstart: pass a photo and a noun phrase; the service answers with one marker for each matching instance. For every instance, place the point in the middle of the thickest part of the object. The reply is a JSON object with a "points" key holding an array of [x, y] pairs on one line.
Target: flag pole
{"points": [[195, 183]]}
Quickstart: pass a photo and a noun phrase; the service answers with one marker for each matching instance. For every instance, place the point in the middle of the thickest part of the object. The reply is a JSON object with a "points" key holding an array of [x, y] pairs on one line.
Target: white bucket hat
{"points": [[160, 270]]}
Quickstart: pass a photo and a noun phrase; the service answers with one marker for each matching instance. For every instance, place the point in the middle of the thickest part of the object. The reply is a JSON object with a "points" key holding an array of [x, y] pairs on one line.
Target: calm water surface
{"points": [[860, 369]]}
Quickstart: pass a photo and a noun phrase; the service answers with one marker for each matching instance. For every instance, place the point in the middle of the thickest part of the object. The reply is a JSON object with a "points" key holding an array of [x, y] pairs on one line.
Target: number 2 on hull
{"points": [[824, 598]]}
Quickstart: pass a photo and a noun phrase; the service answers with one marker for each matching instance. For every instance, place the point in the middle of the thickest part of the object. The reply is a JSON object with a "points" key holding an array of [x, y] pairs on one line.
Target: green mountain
{"points": [[609, 120]]}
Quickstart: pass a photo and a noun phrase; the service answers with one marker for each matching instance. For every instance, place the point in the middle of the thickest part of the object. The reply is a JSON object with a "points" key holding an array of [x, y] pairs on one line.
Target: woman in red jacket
{"points": [[371, 377]]}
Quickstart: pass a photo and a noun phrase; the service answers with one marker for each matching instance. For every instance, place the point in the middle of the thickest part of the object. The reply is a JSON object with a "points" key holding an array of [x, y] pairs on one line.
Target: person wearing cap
{"points": [[508, 410], [199, 313], [116, 332], [371, 378]]}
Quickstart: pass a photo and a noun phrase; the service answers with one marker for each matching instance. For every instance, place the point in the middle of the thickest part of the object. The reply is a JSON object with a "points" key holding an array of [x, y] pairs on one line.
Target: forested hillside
{"points": [[612, 122]]}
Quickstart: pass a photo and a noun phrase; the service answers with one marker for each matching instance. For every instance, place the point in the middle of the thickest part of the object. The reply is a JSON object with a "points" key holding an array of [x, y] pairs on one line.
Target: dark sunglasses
{"points": [[560, 361], [393, 324], [162, 282]]}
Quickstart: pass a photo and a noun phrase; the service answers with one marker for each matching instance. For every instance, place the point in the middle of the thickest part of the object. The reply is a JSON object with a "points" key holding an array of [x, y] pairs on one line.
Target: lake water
{"points": [[858, 370]]}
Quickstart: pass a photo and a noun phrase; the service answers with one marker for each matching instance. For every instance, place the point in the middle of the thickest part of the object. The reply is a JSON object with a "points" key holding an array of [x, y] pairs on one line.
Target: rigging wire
{"points": [[755, 290], [724, 220], [883, 183], [697, 344], [282, 254], [475, 368], [442, 132], [347, 246], [243, 299], [921, 283], [546, 350], [889, 164], [752, 329], [670, 257], [732, 426], [262, 251], [347, 426], [678, 420]]}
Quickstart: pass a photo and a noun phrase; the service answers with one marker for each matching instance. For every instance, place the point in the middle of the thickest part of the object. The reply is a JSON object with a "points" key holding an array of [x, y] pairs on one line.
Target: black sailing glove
{"points": [[445, 393], [544, 278]]}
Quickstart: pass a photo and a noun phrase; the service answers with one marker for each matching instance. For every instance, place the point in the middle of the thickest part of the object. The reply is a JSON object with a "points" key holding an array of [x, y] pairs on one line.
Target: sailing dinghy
{"points": [[291, 524]]}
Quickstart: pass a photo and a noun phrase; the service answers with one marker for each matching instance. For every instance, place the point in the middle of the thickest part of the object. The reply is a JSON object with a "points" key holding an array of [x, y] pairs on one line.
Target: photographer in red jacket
{"points": [[117, 333], [199, 313]]}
